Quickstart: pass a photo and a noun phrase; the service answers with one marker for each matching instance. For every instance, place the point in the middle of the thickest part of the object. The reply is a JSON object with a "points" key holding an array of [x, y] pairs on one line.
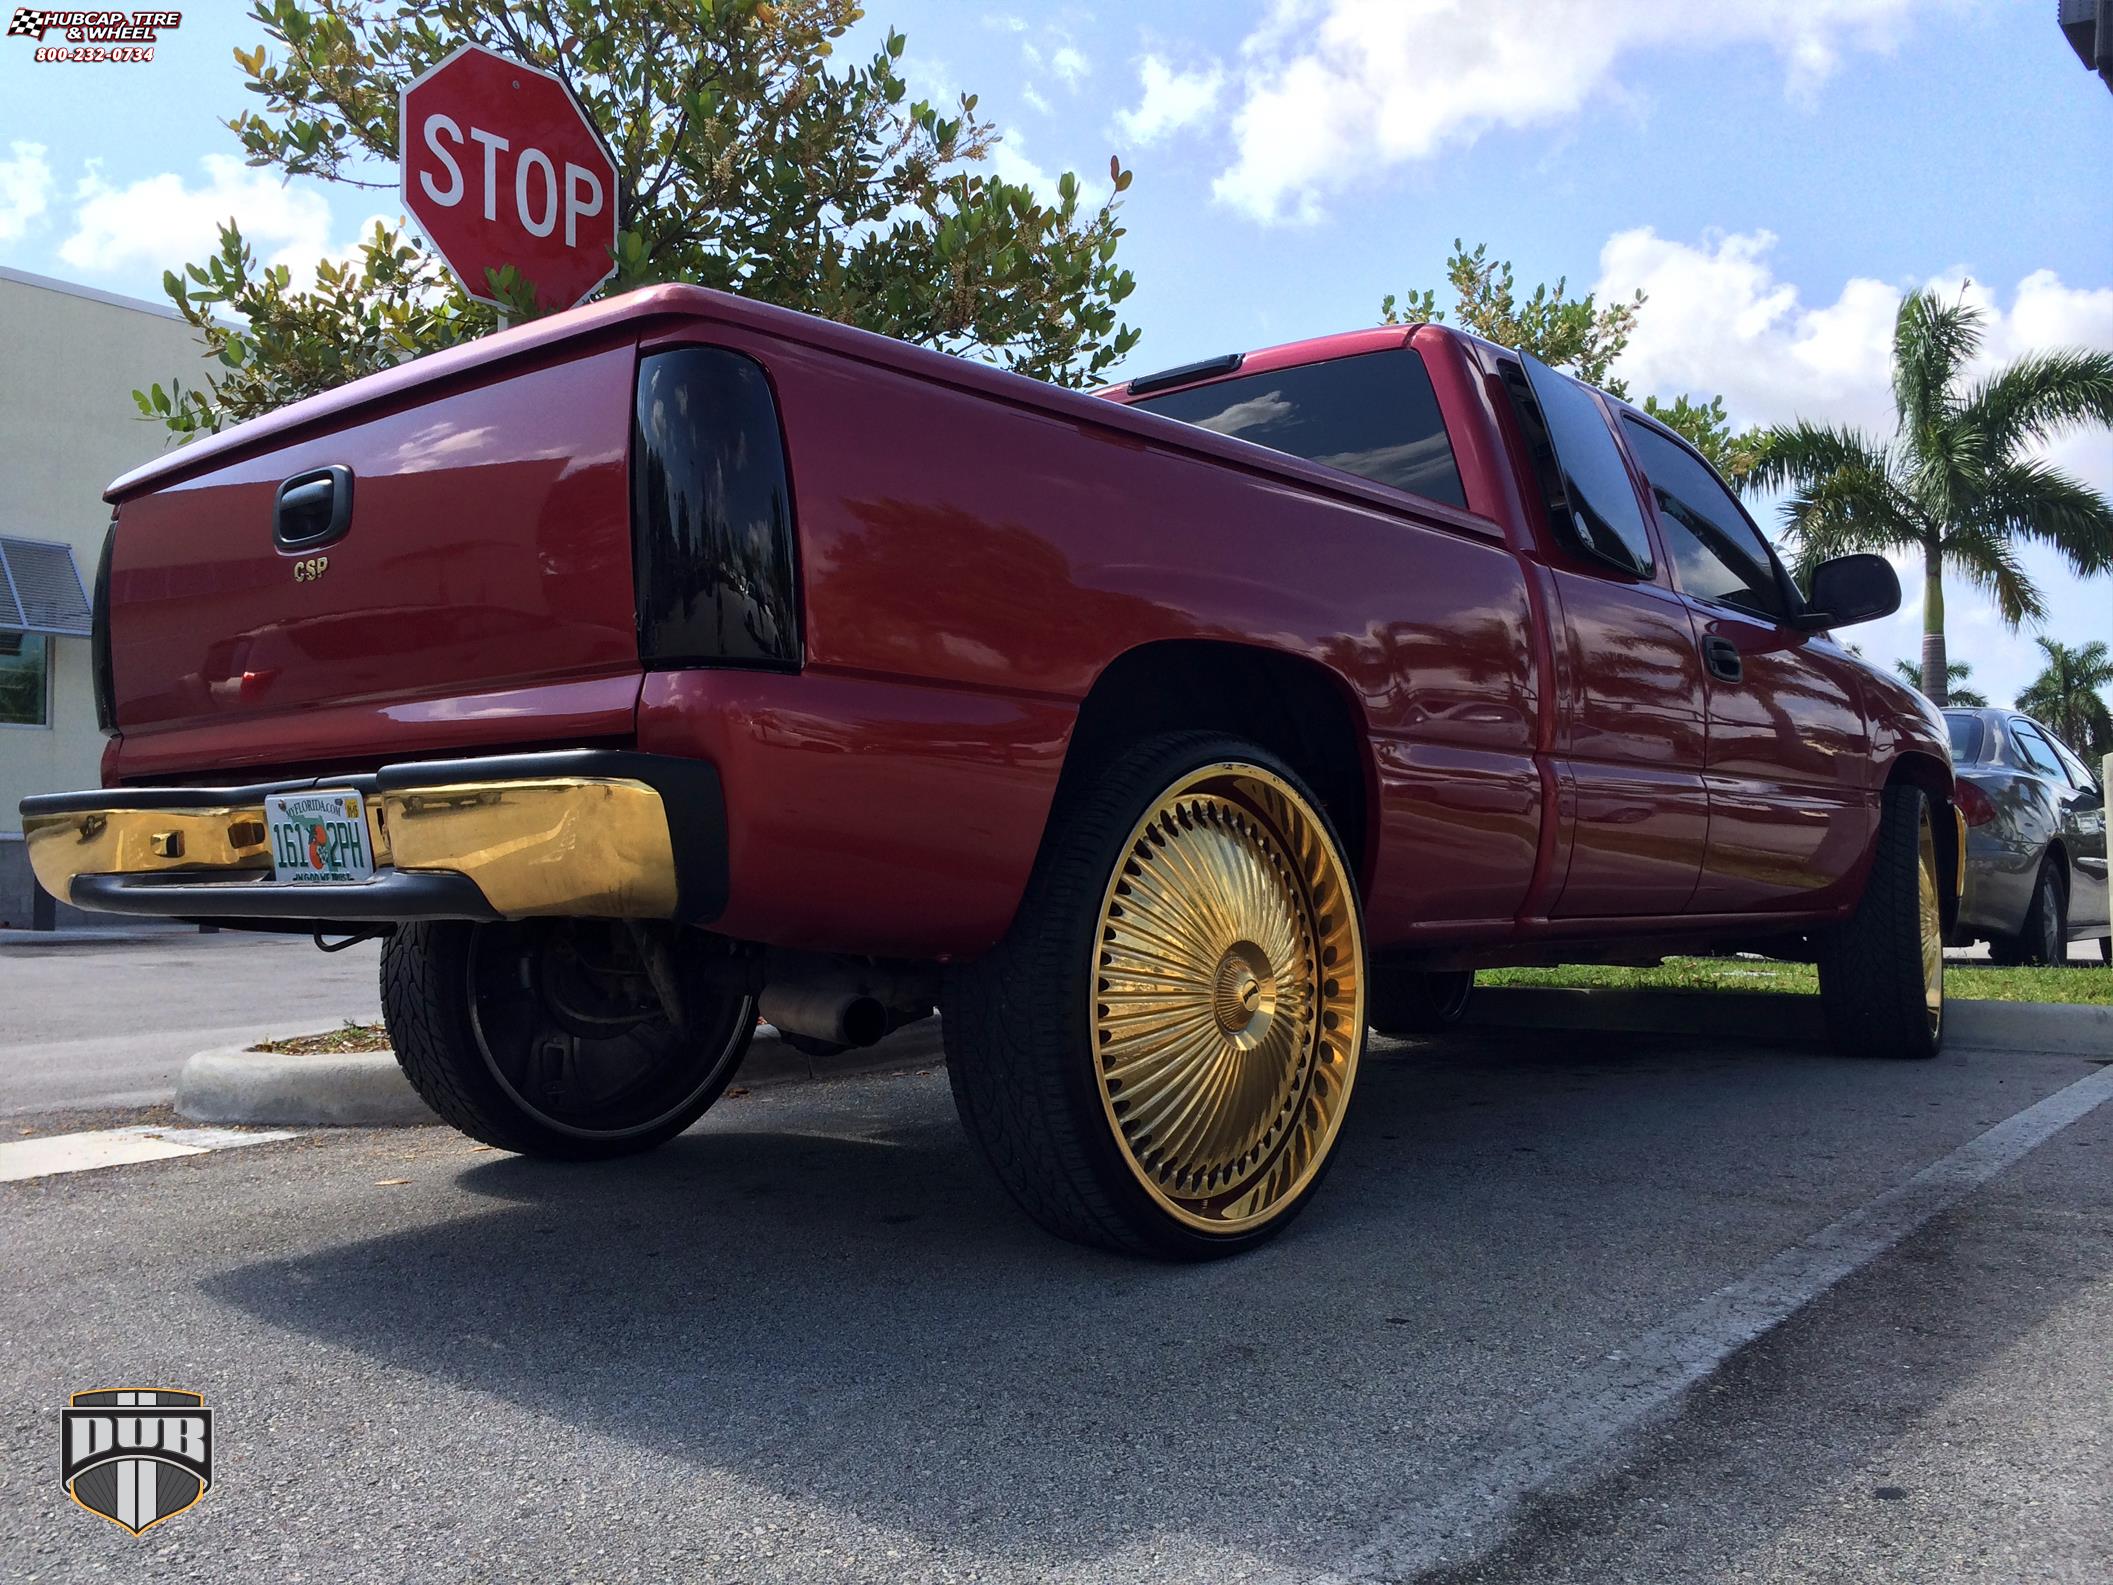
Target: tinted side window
{"points": [[1374, 415], [1604, 514], [2037, 754], [2079, 777], [1717, 554]]}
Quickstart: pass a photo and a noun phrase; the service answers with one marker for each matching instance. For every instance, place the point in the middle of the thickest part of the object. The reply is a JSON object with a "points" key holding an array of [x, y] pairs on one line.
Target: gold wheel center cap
{"points": [[1244, 992]]}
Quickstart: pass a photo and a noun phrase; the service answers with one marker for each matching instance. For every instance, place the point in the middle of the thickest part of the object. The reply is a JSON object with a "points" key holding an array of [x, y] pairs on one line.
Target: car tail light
{"points": [[1975, 804]]}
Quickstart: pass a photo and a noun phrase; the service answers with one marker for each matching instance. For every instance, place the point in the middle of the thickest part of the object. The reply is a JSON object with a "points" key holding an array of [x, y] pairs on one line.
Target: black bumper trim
{"points": [[393, 895]]}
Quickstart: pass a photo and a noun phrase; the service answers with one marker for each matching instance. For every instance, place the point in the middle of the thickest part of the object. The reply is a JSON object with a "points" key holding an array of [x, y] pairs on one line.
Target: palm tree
{"points": [[2066, 696], [1955, 675], [1960, 481]]}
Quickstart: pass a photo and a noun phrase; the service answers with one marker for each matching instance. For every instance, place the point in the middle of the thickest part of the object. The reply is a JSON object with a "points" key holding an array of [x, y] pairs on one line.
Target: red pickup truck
{"points": [[680, 656]]}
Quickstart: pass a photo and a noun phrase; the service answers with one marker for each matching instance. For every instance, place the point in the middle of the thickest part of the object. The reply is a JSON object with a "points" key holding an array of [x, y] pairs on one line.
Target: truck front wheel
{"points": [[1159, 1055], [1407, 1003], [554, 1037], [1882, 969]]}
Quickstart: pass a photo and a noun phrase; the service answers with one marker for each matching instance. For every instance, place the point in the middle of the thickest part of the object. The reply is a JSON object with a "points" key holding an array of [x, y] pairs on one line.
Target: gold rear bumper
{"points": [[594, 846]]}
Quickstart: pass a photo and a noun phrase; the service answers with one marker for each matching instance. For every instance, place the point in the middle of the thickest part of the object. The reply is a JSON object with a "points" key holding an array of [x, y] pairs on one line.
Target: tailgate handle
{"points": [[313, 508]]}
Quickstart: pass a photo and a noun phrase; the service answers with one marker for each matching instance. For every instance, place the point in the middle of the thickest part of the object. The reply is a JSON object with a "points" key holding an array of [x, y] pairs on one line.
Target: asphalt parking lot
{"points": [[1572, 1307]]}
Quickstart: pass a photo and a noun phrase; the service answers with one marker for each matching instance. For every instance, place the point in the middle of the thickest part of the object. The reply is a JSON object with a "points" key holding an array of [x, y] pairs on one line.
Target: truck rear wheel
{"points": [[1881, 971], [1159, 1055], [550, 1037]]}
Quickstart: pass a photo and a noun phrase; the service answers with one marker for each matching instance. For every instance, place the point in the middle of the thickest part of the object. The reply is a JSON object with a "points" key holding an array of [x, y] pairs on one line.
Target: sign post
{"points": [[500, 166]]}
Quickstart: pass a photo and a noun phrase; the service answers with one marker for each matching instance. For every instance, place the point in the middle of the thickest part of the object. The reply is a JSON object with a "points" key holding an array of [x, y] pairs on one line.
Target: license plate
{"points": [[318, 838]]}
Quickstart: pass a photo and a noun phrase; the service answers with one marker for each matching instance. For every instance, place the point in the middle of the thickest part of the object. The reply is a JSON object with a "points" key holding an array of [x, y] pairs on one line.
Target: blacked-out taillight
{"points": [[712, 546], [99, 636]]}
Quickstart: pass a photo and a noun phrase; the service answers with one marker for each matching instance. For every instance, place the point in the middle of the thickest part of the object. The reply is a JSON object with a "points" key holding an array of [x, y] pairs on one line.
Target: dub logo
{"points": [[137, 1456]]}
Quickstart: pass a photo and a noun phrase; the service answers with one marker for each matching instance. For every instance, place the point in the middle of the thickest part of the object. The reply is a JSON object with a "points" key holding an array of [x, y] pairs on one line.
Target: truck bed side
{"points": [[972, 565]]}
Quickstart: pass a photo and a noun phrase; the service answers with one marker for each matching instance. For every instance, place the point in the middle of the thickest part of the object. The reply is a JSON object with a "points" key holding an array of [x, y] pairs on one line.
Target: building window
{"points": [[25, 679]]}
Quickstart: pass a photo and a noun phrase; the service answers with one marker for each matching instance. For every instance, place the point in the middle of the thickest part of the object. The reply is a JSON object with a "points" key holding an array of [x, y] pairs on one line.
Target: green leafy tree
{"points": [[1959, 482], [1575, 333], [1579, 334], [2069, 695], [1956, 674], [747, 159]]}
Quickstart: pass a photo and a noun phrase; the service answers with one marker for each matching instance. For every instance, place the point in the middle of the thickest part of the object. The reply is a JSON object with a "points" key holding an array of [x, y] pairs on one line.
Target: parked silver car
{"points": [[2035, 840]]}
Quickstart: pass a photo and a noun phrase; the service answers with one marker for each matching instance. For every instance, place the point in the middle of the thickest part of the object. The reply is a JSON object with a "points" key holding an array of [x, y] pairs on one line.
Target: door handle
{"points": [[312, 508], [1721, 656]]}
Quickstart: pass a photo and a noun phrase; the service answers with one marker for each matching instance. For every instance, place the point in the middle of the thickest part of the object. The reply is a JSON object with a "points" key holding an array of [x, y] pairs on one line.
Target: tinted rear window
{"points": [[1966, 738], [1374, 415]]}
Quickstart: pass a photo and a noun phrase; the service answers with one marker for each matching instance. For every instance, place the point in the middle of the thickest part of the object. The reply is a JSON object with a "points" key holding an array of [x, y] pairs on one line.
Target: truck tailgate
{"points": [[480, 594]]}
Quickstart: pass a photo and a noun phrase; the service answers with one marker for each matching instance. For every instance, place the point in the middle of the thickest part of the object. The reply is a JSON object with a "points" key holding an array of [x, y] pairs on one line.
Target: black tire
{"points": [[1410, 1003], [2105, 949], [1020, 1021], [1877, 981], [2045, 939], [2042, 934], [480, 1013]]}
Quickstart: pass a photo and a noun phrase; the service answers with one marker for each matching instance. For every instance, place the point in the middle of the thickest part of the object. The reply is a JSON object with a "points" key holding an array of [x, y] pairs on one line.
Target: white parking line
{"points": [[117, 1147], [1451, 1515]]}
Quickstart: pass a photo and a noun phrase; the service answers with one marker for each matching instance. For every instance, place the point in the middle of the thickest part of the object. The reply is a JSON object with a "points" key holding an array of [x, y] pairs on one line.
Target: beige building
{"points": [[68, 426]]}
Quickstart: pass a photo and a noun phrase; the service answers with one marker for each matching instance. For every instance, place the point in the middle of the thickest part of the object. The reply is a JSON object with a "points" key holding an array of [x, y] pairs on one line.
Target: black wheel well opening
{"points": [[1919, 770], [1294, 707], [2058, 856]]}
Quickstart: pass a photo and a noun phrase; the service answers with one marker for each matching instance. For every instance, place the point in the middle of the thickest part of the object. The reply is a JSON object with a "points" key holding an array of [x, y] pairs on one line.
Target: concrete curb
{"points": [[1773, 1016], [361, 1089], [234, 1084]]}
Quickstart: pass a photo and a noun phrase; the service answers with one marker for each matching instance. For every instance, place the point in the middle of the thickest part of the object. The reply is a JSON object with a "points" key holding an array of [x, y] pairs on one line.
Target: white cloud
{"points": [[1335, 90], [1056, 58], [1720, 321], [1071, 65], [25, 189], [1171, 100], [161, 221]]}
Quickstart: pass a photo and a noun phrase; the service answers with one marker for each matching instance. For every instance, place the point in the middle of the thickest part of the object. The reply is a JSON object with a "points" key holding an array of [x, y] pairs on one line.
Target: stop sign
{"points": [[501, 166]]}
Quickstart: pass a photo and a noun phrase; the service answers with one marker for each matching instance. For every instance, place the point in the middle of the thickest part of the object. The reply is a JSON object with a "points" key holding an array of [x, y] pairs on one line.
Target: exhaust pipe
{"points": [[821, 1011], [842, 1001]]}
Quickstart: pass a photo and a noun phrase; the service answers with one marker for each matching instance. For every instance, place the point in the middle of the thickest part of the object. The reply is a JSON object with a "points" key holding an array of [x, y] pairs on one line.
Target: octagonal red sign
{"points": [[501, 166]]}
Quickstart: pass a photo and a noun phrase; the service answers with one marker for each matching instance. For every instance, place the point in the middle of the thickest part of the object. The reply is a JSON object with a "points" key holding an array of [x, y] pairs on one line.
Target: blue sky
{"points": [[1773, 173]]}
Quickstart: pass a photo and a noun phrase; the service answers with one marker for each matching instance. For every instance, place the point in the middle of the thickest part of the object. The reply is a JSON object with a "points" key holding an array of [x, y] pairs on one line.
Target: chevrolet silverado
{"points": [[680, 657]]}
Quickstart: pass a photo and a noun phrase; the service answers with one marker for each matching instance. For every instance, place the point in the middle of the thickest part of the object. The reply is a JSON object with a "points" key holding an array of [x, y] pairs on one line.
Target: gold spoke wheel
{"points": [[1228, 997]]}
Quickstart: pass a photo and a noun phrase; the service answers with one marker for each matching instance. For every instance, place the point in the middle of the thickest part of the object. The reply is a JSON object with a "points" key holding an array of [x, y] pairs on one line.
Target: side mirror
{"points": [[1848, 589]]}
